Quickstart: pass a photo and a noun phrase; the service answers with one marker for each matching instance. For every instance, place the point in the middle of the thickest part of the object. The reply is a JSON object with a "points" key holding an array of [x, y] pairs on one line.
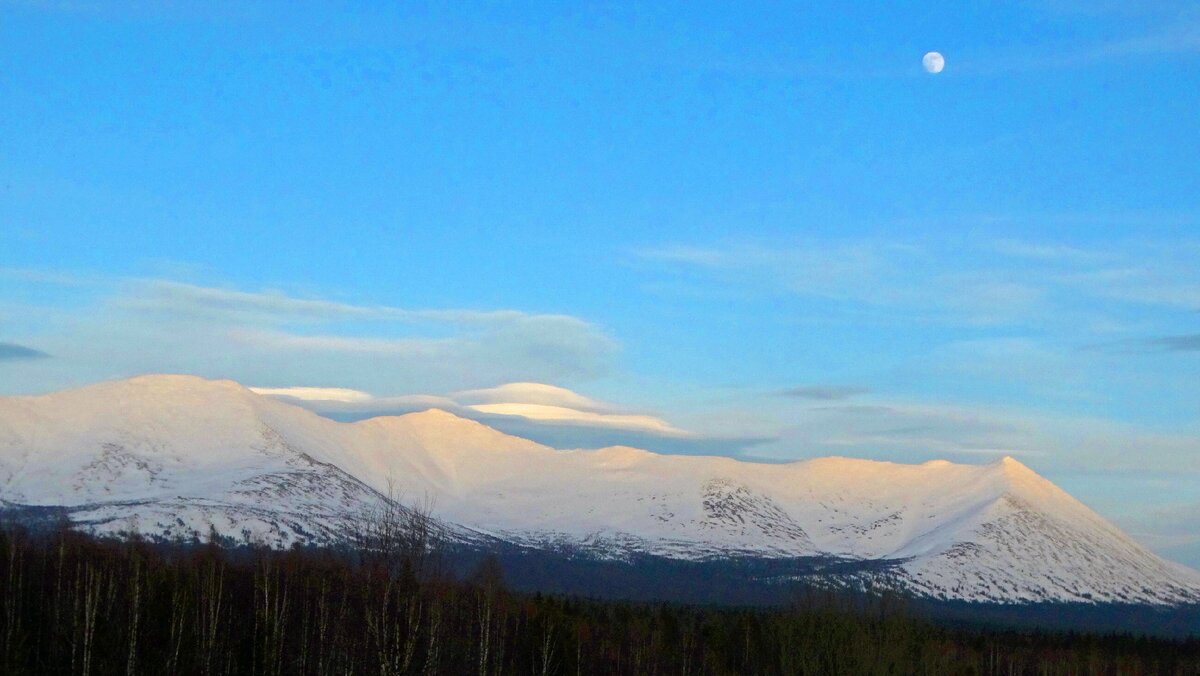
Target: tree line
{"points": [[76, 604]]}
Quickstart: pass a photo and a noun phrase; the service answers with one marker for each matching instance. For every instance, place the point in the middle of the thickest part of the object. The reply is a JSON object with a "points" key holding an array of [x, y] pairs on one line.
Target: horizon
{"points": [[771, 233]]}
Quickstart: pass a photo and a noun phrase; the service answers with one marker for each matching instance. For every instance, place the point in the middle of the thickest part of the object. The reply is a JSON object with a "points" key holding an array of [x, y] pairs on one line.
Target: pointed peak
{"points": [[1017, 476], [1011, 464], [1015, 469]]}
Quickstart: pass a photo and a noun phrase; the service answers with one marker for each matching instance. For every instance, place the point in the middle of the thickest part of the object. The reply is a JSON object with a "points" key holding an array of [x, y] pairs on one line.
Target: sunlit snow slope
{"points": [[175, 456]]}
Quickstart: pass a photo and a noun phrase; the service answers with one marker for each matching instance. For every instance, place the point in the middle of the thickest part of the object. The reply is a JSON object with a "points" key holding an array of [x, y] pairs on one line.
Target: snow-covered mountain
{"points": [[174, 456]]}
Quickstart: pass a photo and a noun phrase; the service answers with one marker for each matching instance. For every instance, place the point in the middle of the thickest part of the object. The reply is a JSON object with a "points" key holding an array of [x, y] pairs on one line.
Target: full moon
{"points": [[933, 62]]}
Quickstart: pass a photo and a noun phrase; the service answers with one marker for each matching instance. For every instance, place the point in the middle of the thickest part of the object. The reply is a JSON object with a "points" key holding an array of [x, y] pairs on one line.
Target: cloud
{"points": [[1003, 360], [980, 282], [1142, 346], [825, 392], [1183, 343], [915, 432], [282, 341], [338, 394], [165, 296], [1045, 251], [882, 281], [1167, 282], [552, 415], [14, 352], [1131, 31], [1178, 37], [359, 405], [551, 405], [569, 416], [1172, 531], [532, 402], [847, 269], [124, 327], [532, 393]]}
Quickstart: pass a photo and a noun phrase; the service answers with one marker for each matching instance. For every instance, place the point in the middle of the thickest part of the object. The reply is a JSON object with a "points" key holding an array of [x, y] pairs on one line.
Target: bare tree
{"points": [[398, 537]]}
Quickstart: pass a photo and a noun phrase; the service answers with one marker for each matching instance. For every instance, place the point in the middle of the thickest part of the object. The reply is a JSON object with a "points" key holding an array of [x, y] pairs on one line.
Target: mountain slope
{"points": [[174, 456]]}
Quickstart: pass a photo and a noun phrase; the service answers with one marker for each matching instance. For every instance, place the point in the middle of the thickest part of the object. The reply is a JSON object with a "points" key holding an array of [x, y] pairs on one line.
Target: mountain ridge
{"points": [[177, 455]]}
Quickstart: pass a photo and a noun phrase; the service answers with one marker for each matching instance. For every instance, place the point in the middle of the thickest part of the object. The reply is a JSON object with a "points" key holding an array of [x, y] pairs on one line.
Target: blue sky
{"points": [[765, 227]]}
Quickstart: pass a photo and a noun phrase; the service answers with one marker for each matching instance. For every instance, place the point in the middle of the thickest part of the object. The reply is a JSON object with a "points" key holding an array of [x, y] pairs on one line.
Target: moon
{"points": [[934, 62]]}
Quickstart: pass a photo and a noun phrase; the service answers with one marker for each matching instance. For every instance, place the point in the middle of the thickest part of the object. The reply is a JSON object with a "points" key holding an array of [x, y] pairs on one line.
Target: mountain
{"points": [[177, 456]]}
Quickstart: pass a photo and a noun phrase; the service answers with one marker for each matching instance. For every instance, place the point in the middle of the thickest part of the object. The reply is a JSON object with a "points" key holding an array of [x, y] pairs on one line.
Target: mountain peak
{"points": [[1016, 470], [160, 387], [430, 418]]}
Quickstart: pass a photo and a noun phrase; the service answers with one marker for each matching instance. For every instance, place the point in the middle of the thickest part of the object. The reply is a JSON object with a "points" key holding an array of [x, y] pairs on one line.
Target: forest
{"points": [[73, 603]]}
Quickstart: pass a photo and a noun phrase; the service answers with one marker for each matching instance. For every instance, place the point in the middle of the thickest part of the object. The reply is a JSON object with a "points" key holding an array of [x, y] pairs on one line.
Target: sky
{"points": [[753, 229]]}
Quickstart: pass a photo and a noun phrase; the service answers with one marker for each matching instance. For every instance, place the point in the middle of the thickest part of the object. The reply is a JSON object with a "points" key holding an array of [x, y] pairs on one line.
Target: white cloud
{"points": [[125, 327], [283, 341], [977, 282], [550, 404], [913, 431], [908, 431], [537, 403], [825, 392], [188, 299], [532, 393], [338, 394], [1173, 531], [851, 269], [563, 415], [1045, 251]]}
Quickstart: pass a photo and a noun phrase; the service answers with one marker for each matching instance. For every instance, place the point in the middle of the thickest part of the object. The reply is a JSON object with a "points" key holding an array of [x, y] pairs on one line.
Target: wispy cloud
{"points": [[906, 430], [912, 431], [1128, 31], [327, 394], [563, 415], [533, 393], [127, 326], [825, 392], [14, 352], [1184, 343], [179, 298], [1181, 35], [1179, 343], [834, 269], [1172, 531], [1046, 251], [973, 282], [547, 413]]}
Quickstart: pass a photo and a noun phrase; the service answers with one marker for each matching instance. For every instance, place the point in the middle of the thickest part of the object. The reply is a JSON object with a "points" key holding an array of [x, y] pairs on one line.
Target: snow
{"points": [[172, 455]]}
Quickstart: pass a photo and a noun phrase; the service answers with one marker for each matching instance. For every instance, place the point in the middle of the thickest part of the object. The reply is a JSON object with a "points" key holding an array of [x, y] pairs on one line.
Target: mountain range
{"points": [[175, 457]]}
